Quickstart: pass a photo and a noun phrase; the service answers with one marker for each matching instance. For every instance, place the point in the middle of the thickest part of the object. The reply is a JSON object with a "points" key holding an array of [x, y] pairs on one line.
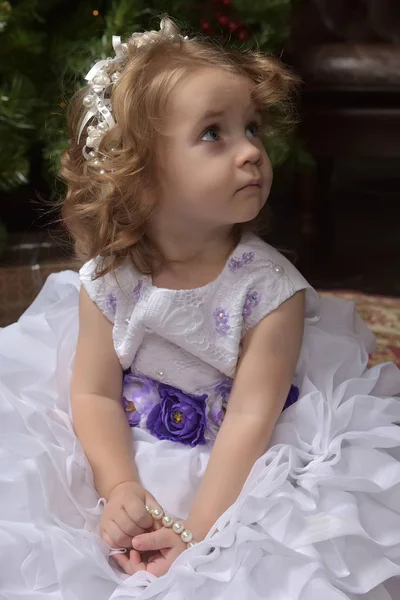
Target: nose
{"points": [[247, 152]]}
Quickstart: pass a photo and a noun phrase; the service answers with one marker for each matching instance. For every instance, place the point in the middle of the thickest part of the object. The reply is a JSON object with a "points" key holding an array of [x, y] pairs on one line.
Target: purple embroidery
{"points": [[221, 317], [247, 258], [179, 417], [251, 301], [112, 302], [238, 263], [235, 264], [137, 292]]}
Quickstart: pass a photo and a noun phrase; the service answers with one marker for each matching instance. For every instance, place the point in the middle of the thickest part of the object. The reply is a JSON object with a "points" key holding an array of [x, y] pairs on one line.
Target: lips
{"points": [[254, 183]]}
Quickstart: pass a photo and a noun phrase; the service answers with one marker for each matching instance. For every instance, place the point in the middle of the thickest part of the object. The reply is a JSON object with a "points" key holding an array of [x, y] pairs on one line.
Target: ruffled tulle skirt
{"points": [[319, 516]]}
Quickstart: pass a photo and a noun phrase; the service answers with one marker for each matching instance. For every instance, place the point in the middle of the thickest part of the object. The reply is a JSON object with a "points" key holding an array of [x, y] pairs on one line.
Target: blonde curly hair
{"points": [[106, 211]]}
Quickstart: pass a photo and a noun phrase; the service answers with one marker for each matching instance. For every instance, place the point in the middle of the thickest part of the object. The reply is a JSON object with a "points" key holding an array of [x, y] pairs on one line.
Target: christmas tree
{"points": [[47, 46]]}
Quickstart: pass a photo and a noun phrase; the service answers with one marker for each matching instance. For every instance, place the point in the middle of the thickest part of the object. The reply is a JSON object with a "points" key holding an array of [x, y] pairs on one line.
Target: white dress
{"points": [[319, 515]]}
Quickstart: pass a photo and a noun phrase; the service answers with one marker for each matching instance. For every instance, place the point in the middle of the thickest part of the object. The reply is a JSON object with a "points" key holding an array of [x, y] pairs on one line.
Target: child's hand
{"points": [[125, 514], [161, 547]]}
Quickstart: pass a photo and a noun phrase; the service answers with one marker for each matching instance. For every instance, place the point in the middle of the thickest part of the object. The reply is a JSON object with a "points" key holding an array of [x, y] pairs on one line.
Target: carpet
{"points": [[382, 315]]}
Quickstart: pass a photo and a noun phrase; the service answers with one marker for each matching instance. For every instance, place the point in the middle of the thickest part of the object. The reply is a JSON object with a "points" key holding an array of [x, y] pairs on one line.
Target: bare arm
{"points": [[263, 379], [98, 415]]}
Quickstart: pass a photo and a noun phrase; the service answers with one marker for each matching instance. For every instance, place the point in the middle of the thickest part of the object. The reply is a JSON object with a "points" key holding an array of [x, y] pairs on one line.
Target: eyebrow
{"points": [[211, 114], [214, 114]]}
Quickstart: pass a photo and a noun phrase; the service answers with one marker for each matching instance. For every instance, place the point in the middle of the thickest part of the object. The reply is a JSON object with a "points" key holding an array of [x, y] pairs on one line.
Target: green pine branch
{"points": [[47, 46]]}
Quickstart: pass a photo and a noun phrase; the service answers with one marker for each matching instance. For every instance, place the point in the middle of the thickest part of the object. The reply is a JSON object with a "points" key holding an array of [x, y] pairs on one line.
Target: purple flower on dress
{"points": [[217, 413], [132, 414], [137, 292], [224, 388], [251, 301], [139, 396], [112, 302], [238, 263], [293, 396], [218, 407], [221, 318], [179, 417]]}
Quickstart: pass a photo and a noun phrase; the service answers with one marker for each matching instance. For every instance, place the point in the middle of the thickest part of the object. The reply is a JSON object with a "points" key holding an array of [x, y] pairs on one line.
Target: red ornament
{"points": [[226, 2], [243, 35], [205, 25], [233, 25], [223, 21]]}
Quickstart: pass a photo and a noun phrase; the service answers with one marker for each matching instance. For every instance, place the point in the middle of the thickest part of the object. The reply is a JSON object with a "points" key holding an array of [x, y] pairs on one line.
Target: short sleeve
{"points": [[273, 280], [118, 295], [102, 290]]}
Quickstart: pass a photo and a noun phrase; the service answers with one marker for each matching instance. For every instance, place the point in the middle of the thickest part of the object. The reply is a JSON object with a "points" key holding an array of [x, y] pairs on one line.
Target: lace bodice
{"points": [[191, 339]]}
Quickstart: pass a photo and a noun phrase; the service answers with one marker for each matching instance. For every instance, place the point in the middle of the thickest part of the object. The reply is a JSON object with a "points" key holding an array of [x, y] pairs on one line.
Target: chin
{"points": [[249, 212]]}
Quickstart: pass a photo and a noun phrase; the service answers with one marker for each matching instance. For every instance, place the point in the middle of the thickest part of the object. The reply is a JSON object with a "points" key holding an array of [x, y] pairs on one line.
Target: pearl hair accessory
{"points": [[101, 77], [98, 100], [176, 526]]}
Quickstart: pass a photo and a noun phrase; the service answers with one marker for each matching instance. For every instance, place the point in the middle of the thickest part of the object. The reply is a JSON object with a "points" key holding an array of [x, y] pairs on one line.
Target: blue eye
{"points": [[211, 134], [254, 128]]}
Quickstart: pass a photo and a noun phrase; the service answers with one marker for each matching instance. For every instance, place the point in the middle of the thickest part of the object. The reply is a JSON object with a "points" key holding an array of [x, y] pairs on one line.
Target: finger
{"points": [[157, 525], [148, 557], [134, 557], [117, 536], [161, 564], [152, 502], [130, 562], [122, 561], [125, 523], [153, 540], [136, 511], [158, 567], [106, 538]]}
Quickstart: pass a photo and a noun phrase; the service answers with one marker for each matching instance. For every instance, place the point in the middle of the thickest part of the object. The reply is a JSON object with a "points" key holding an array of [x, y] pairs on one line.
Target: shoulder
{"points": [[111, 290], [263, 278], [259, 256]]}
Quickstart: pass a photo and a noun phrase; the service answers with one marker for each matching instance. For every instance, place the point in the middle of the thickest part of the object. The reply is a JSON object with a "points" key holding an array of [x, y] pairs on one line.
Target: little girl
{"points": [[238, 444]]}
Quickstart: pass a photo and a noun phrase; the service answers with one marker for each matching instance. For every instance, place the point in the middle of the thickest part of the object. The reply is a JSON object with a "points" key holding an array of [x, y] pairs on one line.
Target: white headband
{"points": [[98, 100], [98, 105]]}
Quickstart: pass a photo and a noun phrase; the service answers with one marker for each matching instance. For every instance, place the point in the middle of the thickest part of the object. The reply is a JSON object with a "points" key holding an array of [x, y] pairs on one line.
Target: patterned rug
{"points": [[382, 315]]}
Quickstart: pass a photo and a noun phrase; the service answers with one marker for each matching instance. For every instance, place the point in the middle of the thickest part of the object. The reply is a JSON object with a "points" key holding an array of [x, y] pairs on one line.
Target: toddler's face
{"points": [[214, 170]]}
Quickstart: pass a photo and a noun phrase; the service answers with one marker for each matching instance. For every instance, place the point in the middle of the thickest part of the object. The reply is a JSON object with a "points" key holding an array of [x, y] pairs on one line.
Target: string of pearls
{"points": [[176, 526]]}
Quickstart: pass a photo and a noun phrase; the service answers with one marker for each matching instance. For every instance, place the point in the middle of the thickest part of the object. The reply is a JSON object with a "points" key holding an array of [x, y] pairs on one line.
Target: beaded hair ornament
{"points": [[101, 78]]}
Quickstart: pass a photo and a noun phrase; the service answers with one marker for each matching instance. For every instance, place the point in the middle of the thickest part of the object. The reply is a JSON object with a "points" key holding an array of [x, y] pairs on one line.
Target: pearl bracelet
{"points": [[177, 526]]}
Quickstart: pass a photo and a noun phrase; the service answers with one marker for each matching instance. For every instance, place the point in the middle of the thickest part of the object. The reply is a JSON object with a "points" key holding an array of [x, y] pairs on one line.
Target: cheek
{"points": [[184, 171], [268, 173]]}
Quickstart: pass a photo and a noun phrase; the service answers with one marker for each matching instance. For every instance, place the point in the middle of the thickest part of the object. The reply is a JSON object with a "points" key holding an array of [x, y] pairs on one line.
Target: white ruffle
{"points": [[319, 516]]}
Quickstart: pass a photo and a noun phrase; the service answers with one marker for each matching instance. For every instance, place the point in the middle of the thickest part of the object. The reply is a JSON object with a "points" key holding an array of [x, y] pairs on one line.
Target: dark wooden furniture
{"points": [[348, 54]]}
